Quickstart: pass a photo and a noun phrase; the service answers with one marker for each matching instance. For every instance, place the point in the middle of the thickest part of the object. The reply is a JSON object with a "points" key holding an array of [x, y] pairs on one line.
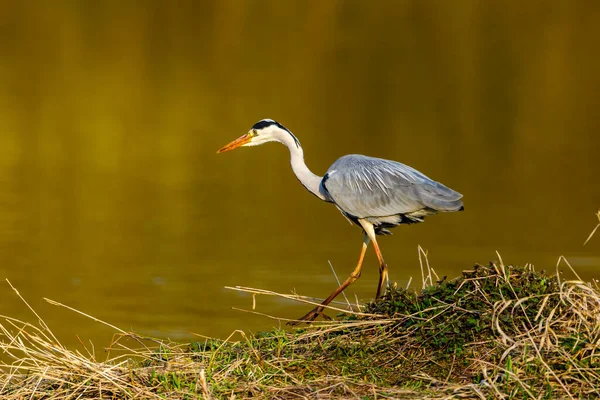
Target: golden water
{"points": [[113, 201]]}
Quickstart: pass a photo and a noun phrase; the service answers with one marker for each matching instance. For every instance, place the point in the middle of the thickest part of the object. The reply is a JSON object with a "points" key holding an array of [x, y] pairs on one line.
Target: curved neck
{"points": [[310, 181]]}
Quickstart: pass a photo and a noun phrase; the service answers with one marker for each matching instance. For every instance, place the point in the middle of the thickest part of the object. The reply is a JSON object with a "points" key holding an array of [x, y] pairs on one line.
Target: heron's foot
{"points": [[309, 317], [382, 291], [384, 281]]}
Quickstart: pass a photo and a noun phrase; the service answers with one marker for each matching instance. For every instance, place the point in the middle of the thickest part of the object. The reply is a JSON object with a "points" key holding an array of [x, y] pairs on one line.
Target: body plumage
{"points": [[386, 193]]}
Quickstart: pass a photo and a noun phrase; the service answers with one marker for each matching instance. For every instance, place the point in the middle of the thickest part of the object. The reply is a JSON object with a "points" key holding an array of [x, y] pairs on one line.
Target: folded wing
{"points": [[373, 187]]}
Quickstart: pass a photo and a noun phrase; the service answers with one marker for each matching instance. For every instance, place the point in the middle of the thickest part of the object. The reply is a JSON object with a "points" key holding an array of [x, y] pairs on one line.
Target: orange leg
{"points": [[353, 276], [383, 271]]}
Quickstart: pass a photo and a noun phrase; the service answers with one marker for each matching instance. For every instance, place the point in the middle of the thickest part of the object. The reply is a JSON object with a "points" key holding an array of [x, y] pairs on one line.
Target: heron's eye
{"points": [[254, 133]]}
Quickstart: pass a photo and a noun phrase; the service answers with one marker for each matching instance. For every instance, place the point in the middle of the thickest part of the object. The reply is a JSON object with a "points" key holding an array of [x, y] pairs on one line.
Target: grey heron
{"points": [[373, 193]]}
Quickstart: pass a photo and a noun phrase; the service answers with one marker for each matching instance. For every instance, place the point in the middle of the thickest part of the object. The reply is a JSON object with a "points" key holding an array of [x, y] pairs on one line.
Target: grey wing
{"points": [[373, 187]]}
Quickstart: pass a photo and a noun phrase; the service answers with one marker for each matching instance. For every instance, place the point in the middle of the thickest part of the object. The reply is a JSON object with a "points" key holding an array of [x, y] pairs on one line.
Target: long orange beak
{"points": [[242, 140]]}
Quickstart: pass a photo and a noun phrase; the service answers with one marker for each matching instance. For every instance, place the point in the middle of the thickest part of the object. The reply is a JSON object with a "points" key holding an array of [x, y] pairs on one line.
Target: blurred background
{"points": [[113, 201]]}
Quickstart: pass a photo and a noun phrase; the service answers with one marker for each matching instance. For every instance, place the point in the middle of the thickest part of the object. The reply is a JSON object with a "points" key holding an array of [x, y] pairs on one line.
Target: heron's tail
{"points": [[442, 198], [449, 206], [444, 204]]}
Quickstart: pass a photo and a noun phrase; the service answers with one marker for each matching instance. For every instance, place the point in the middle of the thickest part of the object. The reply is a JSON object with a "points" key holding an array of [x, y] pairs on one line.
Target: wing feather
{"points": [[373, 187]]}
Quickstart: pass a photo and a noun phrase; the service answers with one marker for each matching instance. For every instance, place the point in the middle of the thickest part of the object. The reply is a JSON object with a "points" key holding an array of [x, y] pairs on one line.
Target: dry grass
{"points": [[496, 332], [594, 230]]}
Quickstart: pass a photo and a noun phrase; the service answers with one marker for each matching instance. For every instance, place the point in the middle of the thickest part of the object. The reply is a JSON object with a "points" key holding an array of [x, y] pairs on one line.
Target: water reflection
{"points": [[113, 200]]}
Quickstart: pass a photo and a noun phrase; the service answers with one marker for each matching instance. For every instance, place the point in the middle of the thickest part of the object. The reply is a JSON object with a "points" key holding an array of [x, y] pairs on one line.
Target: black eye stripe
{"points": [[265, 123]]}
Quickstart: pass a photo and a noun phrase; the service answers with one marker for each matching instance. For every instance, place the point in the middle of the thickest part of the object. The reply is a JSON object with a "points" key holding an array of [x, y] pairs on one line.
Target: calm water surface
{"points": [[113, 201]]}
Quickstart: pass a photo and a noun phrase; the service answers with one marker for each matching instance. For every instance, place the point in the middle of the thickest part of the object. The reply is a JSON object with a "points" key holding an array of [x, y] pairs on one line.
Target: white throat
{"points": [[309, 180]]}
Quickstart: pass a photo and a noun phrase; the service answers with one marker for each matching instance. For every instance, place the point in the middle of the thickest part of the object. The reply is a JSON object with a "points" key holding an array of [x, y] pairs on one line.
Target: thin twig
{"points": [[595, 229], [56, 303], [339, 283]]}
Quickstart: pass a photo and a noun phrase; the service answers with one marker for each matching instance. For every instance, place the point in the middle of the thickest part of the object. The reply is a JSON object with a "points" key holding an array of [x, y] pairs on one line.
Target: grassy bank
{"points": [[495, 332]]}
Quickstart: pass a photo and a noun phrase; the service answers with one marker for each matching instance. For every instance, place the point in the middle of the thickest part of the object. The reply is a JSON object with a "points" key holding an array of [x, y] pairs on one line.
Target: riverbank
{"points": [[496, 331]]}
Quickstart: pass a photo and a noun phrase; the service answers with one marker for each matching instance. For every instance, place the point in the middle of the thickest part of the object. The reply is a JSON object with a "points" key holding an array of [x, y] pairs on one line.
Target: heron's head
{"points": [[263, 131]]}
